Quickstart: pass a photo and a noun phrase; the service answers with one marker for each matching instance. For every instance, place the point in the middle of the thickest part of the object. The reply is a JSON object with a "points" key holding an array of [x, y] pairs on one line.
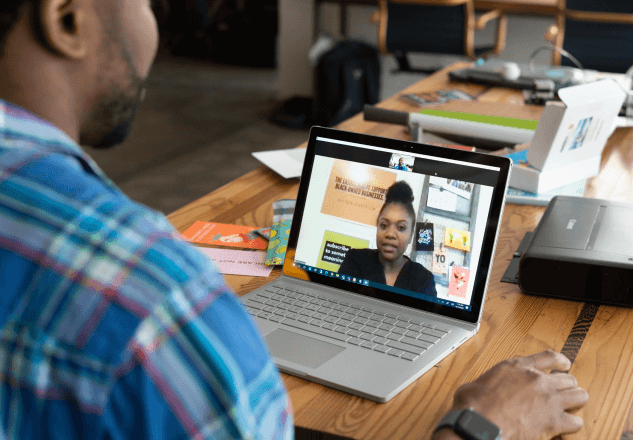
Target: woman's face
{"points": [[393, 235]]}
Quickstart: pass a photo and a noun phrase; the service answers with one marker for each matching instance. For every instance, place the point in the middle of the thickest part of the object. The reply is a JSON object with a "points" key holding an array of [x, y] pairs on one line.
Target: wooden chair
{"points": [[434, 26], [599, 34]]}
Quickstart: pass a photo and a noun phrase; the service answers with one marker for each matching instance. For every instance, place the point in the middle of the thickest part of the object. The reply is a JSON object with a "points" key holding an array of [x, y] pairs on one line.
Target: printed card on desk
{"points": [[264, 232], [224, 235], [232, 262], [278, 243], [283, 210]]}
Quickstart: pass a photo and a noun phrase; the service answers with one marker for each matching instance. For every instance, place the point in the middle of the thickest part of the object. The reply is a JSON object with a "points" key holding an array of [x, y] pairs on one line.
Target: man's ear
{"points": [[63, 25]]}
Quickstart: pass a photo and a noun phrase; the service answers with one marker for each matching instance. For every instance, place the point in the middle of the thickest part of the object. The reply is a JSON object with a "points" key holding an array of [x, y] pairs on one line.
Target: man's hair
{"points": [[10, 11], [9, 14]]}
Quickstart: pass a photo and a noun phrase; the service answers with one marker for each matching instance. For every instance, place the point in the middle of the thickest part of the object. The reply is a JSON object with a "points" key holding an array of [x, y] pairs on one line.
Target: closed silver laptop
{"points": [[377, 286]]}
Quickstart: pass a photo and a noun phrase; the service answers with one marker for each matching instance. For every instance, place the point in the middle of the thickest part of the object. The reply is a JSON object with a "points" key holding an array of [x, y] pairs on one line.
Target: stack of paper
{"points": [[230, 261]]}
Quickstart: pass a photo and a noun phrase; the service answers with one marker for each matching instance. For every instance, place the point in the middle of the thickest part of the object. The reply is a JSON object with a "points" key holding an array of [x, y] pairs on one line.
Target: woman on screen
{"points": [[388, 264]]}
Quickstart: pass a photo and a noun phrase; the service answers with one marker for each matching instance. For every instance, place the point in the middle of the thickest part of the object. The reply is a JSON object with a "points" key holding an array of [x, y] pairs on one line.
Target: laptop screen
{"points": [[407, 225]]}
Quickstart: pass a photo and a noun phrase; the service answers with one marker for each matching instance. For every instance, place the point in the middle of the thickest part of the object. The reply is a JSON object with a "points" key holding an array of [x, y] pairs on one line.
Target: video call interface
{"points": [[404, 223]]}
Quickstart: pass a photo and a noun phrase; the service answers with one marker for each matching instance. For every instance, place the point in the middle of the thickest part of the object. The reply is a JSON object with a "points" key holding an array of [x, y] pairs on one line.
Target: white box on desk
{"points": [[568, 141]]}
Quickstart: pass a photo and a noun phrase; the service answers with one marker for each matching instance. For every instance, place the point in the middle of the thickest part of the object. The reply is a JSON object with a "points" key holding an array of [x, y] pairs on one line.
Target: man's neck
{"points": [[44, 106]]}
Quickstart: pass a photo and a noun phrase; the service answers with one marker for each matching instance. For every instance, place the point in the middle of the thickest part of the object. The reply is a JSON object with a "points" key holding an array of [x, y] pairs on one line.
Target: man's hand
{"points": [[524, 399]]}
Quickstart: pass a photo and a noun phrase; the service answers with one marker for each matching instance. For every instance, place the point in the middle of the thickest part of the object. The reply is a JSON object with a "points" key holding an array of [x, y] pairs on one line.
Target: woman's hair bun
{"points": [[399, 192]]}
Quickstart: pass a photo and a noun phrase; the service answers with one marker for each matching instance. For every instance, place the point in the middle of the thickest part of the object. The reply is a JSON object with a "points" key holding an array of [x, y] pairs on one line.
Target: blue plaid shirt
{"points": [[112, 327]]}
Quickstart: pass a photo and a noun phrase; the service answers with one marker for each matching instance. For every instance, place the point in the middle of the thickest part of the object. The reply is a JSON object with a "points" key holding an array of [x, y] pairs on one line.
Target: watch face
{"points": [[476, 427]]}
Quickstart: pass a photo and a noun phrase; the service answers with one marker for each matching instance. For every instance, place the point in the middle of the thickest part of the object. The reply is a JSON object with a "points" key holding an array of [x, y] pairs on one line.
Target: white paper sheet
{"points": [[286, 163], [234, 262]]}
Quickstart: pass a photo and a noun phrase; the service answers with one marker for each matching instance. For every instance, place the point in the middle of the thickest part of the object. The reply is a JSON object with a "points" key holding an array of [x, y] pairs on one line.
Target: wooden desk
{"points": [[598, 339]]}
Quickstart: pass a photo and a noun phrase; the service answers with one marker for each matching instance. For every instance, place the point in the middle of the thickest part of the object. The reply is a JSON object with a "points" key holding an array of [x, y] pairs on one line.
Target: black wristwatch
{"points": [[470, 425]]}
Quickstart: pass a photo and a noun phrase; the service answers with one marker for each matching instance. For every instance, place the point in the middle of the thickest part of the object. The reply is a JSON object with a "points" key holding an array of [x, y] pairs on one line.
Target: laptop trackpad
{"points": [[300, 349]]}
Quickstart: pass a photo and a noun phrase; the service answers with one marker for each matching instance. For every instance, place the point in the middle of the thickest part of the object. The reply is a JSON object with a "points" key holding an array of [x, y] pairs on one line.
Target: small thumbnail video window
{"points": [[401, 162]]}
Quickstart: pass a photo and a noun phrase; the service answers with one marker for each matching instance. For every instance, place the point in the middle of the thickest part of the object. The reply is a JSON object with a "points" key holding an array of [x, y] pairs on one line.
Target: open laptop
{"points": [[356, 334]]}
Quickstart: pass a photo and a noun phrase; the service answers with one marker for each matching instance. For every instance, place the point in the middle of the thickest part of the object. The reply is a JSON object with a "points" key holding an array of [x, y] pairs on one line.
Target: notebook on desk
{"points": [[370, 298]]}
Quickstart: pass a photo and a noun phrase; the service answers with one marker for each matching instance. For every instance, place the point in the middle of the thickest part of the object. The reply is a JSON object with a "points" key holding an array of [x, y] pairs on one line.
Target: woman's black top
{"points": [[364, 264]]}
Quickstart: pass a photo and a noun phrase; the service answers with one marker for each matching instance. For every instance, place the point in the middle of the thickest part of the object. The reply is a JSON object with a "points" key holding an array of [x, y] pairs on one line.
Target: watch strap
{"points": [[451, 420]]}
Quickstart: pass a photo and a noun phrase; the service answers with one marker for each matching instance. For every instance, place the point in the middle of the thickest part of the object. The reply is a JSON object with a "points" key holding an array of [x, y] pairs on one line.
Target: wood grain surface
{"points": [[600, 339]]}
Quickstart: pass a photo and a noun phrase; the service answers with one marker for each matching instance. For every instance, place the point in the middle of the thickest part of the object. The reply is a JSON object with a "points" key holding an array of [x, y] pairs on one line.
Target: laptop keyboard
{"points": [[366, 327]]}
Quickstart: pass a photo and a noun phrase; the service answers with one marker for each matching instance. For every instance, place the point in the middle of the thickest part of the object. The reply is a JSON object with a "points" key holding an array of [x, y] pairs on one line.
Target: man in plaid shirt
{"points": [[111, 326]]}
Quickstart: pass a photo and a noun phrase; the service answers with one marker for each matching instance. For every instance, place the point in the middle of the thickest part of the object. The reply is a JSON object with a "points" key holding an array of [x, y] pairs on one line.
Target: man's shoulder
{"points": [[69, 206], [106, 261], [100, 274], [45, 173]]}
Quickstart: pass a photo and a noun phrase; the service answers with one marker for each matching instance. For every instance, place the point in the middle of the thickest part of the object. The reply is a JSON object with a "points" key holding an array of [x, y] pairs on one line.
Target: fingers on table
{"points": [[563, 381], [570, 399], [568, 423], [547, 361], [573, 398]]}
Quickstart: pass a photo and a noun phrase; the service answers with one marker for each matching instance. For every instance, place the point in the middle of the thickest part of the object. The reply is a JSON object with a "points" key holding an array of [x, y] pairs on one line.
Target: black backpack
{"points": [[347, 77]]}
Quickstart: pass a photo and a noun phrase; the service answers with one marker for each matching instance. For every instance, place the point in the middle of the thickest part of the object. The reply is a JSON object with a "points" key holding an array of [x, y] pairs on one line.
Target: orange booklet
{"points": [[224, 235]]}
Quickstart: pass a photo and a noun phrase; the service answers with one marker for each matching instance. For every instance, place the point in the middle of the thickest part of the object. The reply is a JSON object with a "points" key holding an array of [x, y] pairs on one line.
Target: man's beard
{"points": [[112, 116], [119, 113]]}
